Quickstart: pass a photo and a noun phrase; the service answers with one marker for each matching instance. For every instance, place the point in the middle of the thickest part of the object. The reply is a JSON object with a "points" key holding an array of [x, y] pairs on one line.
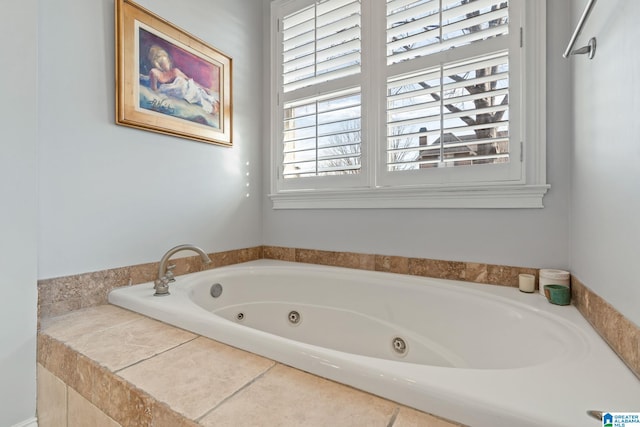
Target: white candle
{"points": [[527, 282]]}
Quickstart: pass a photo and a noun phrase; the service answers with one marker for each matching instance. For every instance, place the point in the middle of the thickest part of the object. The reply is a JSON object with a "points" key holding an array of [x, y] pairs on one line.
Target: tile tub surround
{"points": [[61, 295], [622, 335], [123, 369], [453, 270]]}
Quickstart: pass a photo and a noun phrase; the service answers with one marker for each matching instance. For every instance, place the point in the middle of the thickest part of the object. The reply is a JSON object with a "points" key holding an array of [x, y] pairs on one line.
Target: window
{"points": [[408, 103]]}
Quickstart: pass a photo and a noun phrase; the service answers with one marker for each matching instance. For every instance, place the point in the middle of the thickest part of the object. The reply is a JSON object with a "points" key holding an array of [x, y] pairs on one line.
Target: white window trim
{"points": [[527, 193]]}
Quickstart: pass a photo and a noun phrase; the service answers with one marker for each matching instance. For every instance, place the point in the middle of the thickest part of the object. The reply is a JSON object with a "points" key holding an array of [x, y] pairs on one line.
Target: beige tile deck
{"points": [[90, 320], [195, 377], [127, 343], [289, 397], [408, 417], [140, 372]]}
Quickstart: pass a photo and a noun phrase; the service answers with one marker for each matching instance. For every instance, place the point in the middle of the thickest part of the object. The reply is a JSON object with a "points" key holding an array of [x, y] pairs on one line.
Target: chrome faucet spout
{"points": [[164, 276]]}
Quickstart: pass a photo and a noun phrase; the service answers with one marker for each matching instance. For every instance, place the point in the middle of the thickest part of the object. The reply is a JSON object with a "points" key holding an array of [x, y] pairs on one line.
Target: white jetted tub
{"points": [[477, 354]]}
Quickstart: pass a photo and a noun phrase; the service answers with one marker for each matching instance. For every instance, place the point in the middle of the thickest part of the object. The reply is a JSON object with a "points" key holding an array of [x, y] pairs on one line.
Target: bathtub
{"points": [[481, 355]]}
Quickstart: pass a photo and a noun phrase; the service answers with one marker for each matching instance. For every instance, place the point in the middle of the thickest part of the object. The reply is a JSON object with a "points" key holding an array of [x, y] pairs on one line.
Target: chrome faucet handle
{"points": [[169, 273]]}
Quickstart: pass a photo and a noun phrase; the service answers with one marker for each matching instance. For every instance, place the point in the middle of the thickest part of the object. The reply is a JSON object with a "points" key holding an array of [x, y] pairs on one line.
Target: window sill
{"points": [[487, 197]]}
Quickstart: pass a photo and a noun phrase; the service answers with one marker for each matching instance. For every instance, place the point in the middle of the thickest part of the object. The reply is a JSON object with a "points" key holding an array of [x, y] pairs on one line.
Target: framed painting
{"points": [[169, 81]]}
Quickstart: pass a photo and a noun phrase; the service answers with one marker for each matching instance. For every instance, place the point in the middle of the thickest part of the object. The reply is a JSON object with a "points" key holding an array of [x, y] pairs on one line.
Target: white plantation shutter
{"points": [[320, 99], [455, 112], [322, 135], [321, 43], [421, 102], [423, 27], [413, 117]]}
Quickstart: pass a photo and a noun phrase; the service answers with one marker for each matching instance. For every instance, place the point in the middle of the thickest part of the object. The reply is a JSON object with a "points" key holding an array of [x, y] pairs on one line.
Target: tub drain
{"points": [[399, 345], [294, 317], [240, 316]]}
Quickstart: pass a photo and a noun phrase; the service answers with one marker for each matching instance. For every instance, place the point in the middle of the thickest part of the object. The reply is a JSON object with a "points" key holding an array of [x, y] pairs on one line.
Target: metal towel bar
{"points": [[591, 47]]}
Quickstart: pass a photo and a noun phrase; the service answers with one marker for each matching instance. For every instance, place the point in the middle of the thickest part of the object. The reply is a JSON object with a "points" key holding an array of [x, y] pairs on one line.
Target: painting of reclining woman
{"points": [[176, 82], [169, 81]]}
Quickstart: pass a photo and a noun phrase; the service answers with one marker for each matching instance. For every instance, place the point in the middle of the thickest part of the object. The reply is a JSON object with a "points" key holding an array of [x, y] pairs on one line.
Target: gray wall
{"points": [[520, 237], [113, 196], [18, 252], [81, 194], [605, 196]]}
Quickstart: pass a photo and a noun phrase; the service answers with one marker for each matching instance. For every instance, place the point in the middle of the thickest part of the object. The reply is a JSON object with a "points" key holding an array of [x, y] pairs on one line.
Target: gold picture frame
{"points": [[169, 81]]}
